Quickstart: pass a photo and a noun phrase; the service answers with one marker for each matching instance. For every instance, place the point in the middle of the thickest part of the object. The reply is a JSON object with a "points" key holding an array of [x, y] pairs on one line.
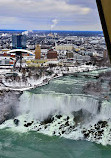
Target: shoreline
{"points": [[44, 80]]}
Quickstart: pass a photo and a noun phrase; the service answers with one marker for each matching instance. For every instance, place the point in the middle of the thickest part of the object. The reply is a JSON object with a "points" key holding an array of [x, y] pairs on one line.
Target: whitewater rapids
{"points": [[67, 115]]}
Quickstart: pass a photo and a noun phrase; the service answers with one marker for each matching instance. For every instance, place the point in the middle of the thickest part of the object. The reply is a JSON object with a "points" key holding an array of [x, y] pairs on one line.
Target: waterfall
{"points": [[40, 106], [67, 115], [106, 110]]}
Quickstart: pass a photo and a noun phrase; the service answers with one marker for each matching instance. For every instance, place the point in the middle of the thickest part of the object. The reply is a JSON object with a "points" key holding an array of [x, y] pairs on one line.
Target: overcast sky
{"points": [[49, 14]]}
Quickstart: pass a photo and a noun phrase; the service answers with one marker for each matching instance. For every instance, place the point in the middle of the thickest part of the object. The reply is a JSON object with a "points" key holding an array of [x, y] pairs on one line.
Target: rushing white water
{"points": [[62, 109], [69, 116], [106, 109], [40, 106]]}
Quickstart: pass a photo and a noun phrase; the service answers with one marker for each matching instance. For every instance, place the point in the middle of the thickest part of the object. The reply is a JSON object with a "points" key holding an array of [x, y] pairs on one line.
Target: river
{"points": [[60, 120]]}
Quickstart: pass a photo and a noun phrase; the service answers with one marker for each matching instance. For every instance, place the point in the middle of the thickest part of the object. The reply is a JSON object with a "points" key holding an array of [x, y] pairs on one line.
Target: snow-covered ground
{"points": [[31, 82]]}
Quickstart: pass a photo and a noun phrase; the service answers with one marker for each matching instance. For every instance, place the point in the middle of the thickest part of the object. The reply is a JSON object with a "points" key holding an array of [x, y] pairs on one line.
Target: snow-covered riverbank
{"points": [[22, 83]]}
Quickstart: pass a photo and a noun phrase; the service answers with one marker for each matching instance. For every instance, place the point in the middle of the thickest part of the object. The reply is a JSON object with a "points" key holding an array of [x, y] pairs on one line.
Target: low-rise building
{"points": [[64, 47], [51, 54]]}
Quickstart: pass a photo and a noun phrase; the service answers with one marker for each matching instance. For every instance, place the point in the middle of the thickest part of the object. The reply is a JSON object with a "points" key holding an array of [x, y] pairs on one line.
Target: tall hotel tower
{"points": [[38, 52], [19, 41]]}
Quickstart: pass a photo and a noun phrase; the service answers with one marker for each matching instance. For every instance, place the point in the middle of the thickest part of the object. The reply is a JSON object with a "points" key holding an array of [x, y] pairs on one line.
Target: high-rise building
{"points": [[38, 52], [18, 41]]}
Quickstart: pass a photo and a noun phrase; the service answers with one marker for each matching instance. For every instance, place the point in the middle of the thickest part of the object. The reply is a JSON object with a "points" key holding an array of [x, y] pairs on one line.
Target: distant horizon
{"points": [[51, 30]]}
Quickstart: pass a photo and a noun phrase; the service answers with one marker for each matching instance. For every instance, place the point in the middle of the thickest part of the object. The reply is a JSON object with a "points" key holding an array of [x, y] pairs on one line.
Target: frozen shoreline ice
{"points": [[32, 83]]}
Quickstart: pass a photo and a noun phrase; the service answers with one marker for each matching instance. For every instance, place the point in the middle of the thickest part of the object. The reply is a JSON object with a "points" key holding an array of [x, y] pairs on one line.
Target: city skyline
{"points": [[74, 15]]}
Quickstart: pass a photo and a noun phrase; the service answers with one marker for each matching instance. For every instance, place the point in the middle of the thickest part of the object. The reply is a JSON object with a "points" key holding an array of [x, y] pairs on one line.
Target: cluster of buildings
{"points": [[39, 49]]}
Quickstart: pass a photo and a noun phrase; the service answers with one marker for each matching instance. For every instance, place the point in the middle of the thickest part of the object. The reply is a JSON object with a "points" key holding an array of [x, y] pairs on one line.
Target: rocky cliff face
{"points": [[8, 104], [100, 87]]}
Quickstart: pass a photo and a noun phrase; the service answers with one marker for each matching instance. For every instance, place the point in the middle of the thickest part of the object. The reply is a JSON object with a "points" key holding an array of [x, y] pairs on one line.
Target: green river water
{"points": [[33, 145]]}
